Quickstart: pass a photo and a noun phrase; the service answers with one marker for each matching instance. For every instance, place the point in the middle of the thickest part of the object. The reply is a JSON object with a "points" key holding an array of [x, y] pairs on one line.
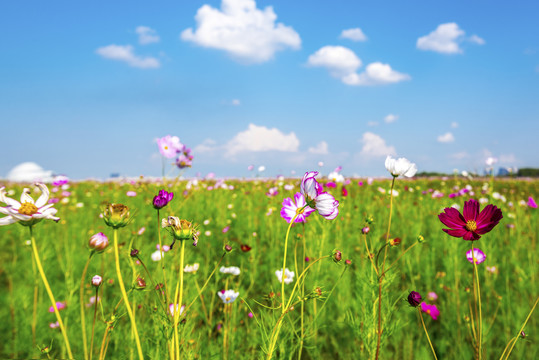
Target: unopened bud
{"points": [[97, 280], [365, 230], [348, 262], [98, 242], [134, 252], [420, 238], [395, 241], [228, 248], [414, 299], [337, 256], [141, 283]]}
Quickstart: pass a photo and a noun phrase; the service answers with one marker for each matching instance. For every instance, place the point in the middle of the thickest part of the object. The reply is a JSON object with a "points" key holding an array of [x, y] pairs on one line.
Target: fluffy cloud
{"points": [[126, 54], [245, 32], [375, 146], [353, 34], [391, 118], [446, 138], [146, 35], [445, 39], [321, 148], [236, 102], [343, 63], [260, 138], [29, 172]]}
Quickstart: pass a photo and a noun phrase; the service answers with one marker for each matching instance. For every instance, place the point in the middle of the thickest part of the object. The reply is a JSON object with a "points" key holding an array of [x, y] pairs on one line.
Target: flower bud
{"points": [[98, 242], [116, 215], [162, 199], [97, 280], [140, 283], [421, 239], [228, 248], [365, 230], [337, 256], [395, 241], [134, 252], [414, 299], [348, 262], [369, 219]]}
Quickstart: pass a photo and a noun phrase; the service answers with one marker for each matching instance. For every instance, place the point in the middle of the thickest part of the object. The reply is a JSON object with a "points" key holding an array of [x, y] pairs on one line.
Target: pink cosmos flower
{"points": [[59, 305], [316, 198], [531, 203], [472, 223], [60, 180], [131, 193], [169, 146], [432, 310], [477, 254], [289, 209], [28, 212]]}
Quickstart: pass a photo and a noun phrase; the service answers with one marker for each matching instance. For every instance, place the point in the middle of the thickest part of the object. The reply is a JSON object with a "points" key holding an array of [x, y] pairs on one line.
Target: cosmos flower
{"points": [[432, 310], [162, 199], [414, 298], [185, 159], [228, 296], [156, 255], [477, 254], [169, 146], [28, 212], [288, 275], [401, 166], [336, 177], [173, 307], [60, 180], [290, 208], [531, 203], [191, 268], [472, 223], [432, 296], [59, 306], [233, 270], [316, 198]]}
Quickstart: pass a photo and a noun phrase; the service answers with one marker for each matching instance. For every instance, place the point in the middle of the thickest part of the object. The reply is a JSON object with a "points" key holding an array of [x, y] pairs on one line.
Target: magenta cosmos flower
{"points": [[432, 310], [477, 254], [290, 208], [316, 198], [472, 223]]}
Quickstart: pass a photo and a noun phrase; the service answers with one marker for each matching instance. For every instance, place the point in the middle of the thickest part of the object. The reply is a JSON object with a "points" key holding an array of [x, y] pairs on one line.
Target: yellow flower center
{"points": [[165, 147], [227, 299], [428, 311], [471, 225], [28, 209]]}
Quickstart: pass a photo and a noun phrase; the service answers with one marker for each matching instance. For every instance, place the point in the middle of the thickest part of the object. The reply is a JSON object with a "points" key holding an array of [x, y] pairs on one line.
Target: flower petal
{"points": [[6, 220], [25, 196], [452, 218], [488, 218], [456, 232], [44, 198], [471, 209], [8, 201]]}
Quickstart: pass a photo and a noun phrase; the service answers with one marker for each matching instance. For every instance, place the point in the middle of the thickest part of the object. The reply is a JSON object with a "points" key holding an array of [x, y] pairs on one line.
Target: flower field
{"points": [[195, 271]]}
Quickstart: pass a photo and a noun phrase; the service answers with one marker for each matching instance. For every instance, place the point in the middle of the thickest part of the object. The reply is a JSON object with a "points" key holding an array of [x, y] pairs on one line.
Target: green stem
{"points": [[82, 315], [93, 322], [162, 257], [124, 295], [521, 330], [426, 333], [178, 301], [49, 292], [478, 302], [381, 272]]}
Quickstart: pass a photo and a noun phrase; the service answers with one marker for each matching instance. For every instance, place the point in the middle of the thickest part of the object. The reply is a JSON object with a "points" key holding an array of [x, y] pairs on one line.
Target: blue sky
{"points": [[88, 87]]}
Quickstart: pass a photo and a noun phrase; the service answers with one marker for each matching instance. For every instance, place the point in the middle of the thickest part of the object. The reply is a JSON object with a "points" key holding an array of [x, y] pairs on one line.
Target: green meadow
{"points": [[333, 312]]}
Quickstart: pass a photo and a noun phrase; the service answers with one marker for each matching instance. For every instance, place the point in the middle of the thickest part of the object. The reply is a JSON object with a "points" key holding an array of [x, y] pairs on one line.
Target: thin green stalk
{"points": [[82, 315], [124, 295], [515, 339], [302, 295], [381, 272], [49, 292], [93, 322], [284, 257], [426, 333], [478, 302], [179, 301], [162, 262]]}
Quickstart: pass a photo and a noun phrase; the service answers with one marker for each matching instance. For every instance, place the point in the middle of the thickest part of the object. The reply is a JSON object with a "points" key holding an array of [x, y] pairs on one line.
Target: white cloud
{"points": [[208, 145], [454, 125], [477, 40], [146, 35], [343, 63], [446, 138], [376, 74], [445, 39], [375, 146], [391, 118], [29, 172], [355, 34], [125, 54], [372, 123], [236, 102], [245, 32], [260, 138], [321, 148]]}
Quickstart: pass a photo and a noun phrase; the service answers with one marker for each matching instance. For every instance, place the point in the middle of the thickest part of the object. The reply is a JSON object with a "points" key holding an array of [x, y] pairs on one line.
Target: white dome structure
{"points": [[29, 172]]}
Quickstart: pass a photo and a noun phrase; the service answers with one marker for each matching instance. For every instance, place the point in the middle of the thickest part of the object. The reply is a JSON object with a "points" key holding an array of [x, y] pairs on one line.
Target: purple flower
{"points": [[290, 208], [169, 146], [162, 199], [432, 296], [432, 310], [414, 298], [60, 180], [472, 223], [316, 198], [477, 254], [185, 159], [131, 193], [531, 203], [59, 306]]}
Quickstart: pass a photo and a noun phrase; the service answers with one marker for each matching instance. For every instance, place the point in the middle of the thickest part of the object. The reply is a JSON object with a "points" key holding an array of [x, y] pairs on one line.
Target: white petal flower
{"points": [[228, 296], [288, 275], [191, 268], [401, 166], [234, 270], [156, 255], [28, 211]]}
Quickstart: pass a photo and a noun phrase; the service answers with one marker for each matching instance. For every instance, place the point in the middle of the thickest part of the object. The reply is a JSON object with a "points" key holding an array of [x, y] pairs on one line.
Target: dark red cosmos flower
{"points": [[472, 223], [245, 247]]}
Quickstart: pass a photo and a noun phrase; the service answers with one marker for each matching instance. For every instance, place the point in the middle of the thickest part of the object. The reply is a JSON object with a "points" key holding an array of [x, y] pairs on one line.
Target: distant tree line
{"points": [[524, 172]]}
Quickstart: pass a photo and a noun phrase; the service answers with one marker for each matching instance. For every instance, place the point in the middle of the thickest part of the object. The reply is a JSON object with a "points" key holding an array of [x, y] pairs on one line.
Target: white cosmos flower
{"points": [[336, 177], [28, 211], [156, 255], [228, 296], [401, 166], [288, 275], [234, 270], [191, 268]]}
